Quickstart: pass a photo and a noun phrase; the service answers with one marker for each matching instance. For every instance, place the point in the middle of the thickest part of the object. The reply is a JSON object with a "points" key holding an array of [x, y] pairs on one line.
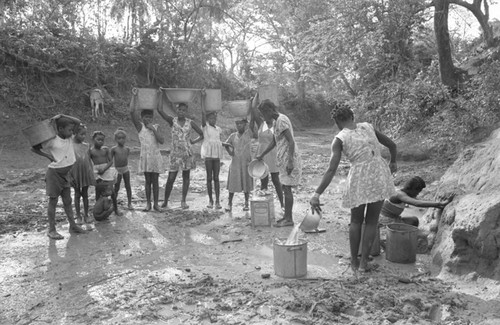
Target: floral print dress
{"points": [[181, 156], [369, 178], [281, 124]]}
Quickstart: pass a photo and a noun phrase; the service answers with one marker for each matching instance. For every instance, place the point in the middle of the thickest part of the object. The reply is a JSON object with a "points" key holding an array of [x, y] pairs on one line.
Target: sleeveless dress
{"points": [[281, 124], [150, 160], [82, 173], [265, 136], [211, 146], [238, 179], [391, 212], [369, 178], [181, 156]]}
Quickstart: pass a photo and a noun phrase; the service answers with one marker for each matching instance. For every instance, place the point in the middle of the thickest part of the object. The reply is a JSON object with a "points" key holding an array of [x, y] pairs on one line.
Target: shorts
{"points": [[122, 170], [56, 180]]}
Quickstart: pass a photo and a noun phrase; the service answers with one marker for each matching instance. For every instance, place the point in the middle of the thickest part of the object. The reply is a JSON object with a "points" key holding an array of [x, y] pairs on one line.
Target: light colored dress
{"points": [[238, 179], [211, 146], [266, 136], [181, 156], [82, 173], [150, 160], [281, 124], [369, 178]]}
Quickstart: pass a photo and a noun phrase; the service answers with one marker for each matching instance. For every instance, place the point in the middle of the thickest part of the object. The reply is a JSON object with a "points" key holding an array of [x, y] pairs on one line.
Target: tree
{"points": [[482, 18]]}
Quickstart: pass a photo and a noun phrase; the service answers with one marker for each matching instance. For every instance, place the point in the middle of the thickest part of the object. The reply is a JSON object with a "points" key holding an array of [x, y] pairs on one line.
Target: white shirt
{"points": [[62, 150]]}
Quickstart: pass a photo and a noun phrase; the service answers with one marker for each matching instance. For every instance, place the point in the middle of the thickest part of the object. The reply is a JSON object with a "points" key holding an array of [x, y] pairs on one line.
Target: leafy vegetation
{"points": [[380, 56]]}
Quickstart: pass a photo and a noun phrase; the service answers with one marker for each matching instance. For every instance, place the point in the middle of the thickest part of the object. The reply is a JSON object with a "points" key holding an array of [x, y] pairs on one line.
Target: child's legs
{"points": [[85, 196], [371, 225], [264, 182], [357, 218], [216, 171], [126, 180], [277, 185], [230, 199], [156, 187], [247, 197], [78, 194], [66, 198], [287, 190], [51, 213], [147, 178], [169, 185], [185, 183], [209, 171], [118, 182]]}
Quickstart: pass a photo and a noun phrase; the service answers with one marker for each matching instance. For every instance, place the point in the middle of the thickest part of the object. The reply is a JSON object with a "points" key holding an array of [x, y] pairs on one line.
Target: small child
{"points": [[150, 161], [103, 207], [60, 152], [119, 154], [211, 151], [238, 179], [104, 173], [82, 174]]}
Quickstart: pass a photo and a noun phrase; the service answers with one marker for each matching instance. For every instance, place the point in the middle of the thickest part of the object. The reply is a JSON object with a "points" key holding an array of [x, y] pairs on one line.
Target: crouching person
{"points": [[103, 207], [60, 152]]}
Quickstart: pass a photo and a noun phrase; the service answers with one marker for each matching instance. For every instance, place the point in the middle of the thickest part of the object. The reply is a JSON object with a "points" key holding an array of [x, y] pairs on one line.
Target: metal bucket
{"points": [[239, 108], [290, 261], [213, 100], [269, 92], [401, 243], [147, 98], [39, 132]]}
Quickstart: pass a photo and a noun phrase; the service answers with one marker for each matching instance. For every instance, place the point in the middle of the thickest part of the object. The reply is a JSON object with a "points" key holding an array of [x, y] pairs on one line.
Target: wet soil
{"points": [[205, 266]]}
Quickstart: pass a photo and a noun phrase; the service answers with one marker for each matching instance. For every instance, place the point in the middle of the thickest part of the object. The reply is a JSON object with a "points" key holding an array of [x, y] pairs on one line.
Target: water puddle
{"points": [[201, 238]]}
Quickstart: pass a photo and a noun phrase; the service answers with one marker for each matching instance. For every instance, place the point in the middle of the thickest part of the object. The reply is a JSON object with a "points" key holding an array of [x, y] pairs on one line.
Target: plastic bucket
{"points": [[39, 132], [375, 250], [290, 261], [401, 243], [213, 100], [147, 98]]}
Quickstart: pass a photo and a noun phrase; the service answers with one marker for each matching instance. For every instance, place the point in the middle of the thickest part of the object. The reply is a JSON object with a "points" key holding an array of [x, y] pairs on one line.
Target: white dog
{"points": [[96, 102]]}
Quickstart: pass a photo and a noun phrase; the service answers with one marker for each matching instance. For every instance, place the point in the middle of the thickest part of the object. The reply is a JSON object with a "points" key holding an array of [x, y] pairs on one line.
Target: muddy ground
{"points": [[185, 267]]}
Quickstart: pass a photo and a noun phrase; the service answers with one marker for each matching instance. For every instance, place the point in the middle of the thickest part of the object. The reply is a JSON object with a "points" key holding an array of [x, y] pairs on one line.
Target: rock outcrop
{"points": [[467, 237]]}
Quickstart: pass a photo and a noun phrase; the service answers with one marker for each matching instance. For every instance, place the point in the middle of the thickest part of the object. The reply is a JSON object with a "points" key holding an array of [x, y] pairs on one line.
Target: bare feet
{"points": [[218, 206], [157, 208], [164, 205], [210, 205], [184, 205], [77, 230], [130, 207], [79, 220], [355, 265], [147, 208], [55, 235], [246, 208], [118, 213], [229, 208]]}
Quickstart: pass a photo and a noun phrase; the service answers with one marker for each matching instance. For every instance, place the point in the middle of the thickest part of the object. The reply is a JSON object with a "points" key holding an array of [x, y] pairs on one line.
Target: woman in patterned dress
{"points": [[369, 181], [287, 156], [181, 156]]}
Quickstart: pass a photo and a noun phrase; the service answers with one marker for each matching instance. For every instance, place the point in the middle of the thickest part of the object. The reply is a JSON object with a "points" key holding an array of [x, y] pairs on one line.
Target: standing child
{"points": [[60, 152], [181, 157], [119, 154], [211, 152], [82, 173], [238, 179], [150, 161], [105, 174]]}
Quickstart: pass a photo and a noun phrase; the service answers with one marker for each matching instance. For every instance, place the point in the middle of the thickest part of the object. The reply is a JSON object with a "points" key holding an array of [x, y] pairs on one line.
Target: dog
{"points": [[96, 102]]}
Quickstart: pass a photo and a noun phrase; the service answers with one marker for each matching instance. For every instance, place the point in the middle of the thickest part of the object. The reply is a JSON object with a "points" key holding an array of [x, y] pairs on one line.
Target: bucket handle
{"points": [[294, 248]]}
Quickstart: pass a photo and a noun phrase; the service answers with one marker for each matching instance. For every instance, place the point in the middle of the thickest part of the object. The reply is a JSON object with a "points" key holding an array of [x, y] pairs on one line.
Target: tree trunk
{"points": [[447, 70], [482, 18], [300, 85]]}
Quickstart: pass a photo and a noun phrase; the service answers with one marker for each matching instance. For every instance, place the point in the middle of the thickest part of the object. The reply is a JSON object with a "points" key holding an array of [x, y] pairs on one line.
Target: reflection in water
{"points": [[201, 238]]}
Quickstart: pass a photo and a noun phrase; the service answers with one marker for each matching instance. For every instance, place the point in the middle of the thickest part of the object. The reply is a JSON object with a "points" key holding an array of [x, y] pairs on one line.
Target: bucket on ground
{"points": [[290, 261], [40, 132], [375, 249], [262, 210], [401, 246], [213, 100]]}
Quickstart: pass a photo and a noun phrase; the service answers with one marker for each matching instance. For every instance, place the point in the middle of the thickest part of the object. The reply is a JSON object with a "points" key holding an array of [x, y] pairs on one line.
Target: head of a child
{"points": [[341, 113], [241, 125], [120, 136], [212, 118], [80, 132], [268, 110], [98, 139], [65, 127], [182, 110], [147, 116], [414, 186]]}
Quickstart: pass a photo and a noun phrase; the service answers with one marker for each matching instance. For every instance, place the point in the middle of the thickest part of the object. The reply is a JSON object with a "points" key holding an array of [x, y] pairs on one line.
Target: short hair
{"points": [[97, 133], [414, 183], [341, 112], [145, 112], [63, 122], [211, 113], [79, 127], [120, 130], [268, 106], [182, 105]]}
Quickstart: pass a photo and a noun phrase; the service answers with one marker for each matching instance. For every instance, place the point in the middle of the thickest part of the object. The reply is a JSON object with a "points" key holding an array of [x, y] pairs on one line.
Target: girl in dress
{"points": [[150, 161], [211, 152], [82, 173], [369, 181], [238, 179]]}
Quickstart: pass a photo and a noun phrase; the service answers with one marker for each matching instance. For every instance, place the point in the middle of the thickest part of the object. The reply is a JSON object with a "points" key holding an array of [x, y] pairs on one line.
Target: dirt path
{"points": [[182, 267]]}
